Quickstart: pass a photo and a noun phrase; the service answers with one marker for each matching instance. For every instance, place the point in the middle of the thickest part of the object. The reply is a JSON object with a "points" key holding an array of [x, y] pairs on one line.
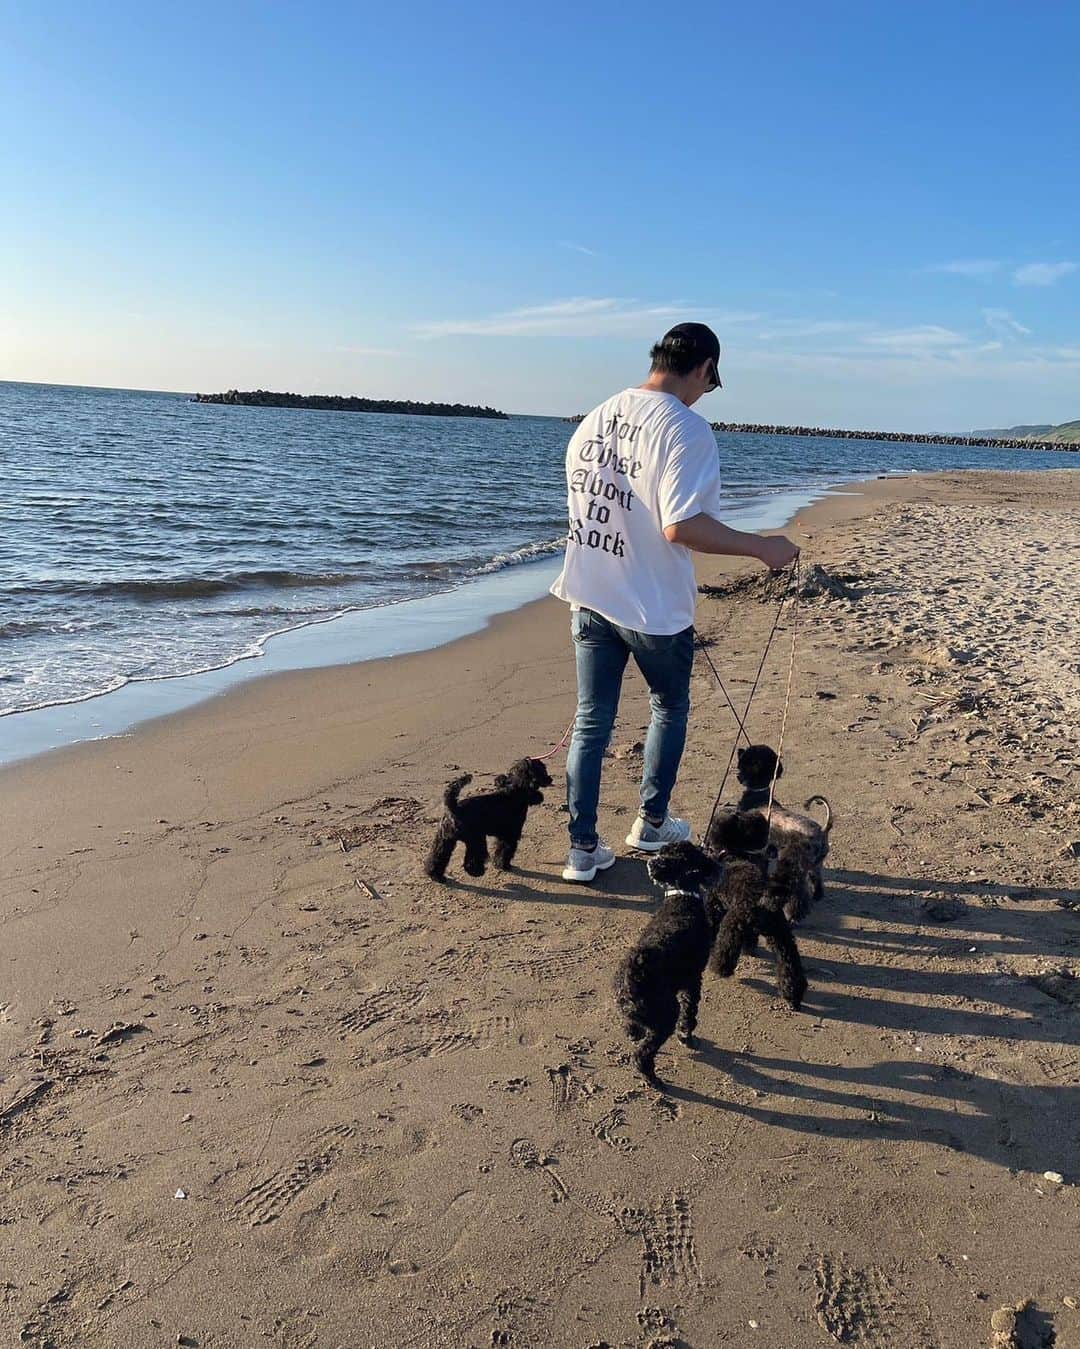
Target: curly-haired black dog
{"points": [[658, 982], [800, 843], [747, 908], [732, 833], [499, 814]]}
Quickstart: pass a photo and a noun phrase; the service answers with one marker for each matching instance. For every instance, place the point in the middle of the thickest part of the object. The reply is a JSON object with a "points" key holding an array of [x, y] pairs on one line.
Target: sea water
{"points": [[145, 538]]}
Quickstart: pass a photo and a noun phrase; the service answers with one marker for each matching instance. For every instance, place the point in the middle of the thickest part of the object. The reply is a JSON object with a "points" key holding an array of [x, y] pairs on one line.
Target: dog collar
{"points": [[670, 890]]}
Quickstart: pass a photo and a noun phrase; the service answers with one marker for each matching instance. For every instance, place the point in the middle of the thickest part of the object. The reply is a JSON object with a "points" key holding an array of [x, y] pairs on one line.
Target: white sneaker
{"points": [[648, 837], [583, 864]]}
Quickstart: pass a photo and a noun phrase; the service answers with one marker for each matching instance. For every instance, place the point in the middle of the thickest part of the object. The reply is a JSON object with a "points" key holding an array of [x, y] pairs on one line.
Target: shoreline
{"points": [[262, 1080], [350, 637]]}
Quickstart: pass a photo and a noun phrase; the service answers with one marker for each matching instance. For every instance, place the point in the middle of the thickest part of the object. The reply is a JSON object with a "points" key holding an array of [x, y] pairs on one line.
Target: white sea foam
{"points": [[531, 552]]}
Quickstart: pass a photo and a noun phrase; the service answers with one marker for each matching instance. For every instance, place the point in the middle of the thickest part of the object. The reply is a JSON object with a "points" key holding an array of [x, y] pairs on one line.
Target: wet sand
{"points": [[402, 1114]]}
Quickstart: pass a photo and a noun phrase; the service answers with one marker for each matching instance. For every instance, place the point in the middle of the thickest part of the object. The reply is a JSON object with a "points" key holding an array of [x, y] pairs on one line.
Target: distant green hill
{"points": [[1067, 433]]}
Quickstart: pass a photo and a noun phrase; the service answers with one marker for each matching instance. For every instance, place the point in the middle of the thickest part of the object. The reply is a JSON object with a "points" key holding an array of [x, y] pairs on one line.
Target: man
{"points": [[643, 479]]}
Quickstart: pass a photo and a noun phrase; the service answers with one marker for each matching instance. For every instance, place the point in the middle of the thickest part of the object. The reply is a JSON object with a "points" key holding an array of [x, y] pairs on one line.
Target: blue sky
{"points": [[875, 205]]}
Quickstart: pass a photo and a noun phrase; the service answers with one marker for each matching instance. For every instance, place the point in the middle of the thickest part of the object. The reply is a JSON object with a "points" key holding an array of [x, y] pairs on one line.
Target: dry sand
{"points": [[258, 1089]]}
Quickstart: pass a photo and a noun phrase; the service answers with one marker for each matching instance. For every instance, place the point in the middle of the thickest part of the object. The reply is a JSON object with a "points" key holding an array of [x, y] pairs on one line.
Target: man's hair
{"points": [[684, 348], [675, 356]]}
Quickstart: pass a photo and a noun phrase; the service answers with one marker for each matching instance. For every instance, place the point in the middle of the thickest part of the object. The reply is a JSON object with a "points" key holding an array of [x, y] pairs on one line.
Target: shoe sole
{"points": [[584, 877]]}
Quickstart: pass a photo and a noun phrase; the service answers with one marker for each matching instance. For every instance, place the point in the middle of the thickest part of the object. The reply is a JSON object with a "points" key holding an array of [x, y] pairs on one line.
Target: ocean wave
{"points": [[27, 627], [531, 552], [189, 587]]}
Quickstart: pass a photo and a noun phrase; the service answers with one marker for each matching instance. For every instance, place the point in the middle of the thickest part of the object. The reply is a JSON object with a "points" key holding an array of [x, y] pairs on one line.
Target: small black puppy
{"points": [[658, 982], [499, 813], [746, 904]]}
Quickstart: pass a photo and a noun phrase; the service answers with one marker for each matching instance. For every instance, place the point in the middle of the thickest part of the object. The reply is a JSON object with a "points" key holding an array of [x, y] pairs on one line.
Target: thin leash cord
{"points": [[753, 691], [787, 695], [566, 736], [734, 710]]}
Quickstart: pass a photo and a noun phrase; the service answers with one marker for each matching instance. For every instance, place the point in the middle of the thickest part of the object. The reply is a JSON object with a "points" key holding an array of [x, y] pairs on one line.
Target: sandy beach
{"points": [[261, 1082]]}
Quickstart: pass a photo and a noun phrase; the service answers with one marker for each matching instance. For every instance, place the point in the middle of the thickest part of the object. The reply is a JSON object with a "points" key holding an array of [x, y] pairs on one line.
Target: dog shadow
{"points": [[1006, 1123], [975, 910], [1019, 1127]]}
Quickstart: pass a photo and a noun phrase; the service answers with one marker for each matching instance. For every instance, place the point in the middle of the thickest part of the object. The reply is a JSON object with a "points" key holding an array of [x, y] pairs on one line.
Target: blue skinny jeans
{"points": [[602, 649]]}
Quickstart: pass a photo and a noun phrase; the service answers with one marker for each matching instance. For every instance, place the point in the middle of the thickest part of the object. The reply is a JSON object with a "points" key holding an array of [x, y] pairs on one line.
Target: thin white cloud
{"points": [[1042, 273], [790, 329], [970, 267], [927, 336], [1001, 321], [579, 248], [581, 316]]}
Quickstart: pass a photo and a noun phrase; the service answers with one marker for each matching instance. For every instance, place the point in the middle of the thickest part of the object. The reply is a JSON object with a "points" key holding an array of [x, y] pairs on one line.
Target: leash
{"points": [[734, 711], [552, 752], [792, 588], [787, 694]]}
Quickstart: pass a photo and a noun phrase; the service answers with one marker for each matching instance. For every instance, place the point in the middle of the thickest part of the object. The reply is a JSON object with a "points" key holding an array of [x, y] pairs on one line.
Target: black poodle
{"points": [[747, 906], [499, 813], [799, 844], [658, 982]]}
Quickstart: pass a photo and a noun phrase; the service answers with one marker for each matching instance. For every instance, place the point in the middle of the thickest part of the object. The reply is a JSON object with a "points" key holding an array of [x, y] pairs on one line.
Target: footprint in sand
{"points": [[425, 1248]]}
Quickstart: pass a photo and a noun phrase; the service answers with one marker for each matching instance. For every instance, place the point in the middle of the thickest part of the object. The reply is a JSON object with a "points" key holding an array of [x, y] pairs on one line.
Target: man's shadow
{"points": [[612, 889]]}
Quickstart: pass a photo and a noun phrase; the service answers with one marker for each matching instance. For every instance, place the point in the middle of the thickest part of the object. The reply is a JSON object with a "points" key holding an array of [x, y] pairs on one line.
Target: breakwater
{"points": [[263, 398], [905, 437]]}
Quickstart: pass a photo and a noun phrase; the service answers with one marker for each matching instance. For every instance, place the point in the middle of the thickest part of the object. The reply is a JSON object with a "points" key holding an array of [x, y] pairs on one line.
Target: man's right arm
{"points": [[704, 534]]}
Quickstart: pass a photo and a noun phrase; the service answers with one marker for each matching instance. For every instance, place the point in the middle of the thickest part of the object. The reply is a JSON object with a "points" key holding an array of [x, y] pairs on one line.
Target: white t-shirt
{"points": [[636, 464]]}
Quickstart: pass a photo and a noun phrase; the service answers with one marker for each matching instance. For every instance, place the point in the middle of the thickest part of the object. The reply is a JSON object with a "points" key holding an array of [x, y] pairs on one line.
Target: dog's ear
{"points": [[752, 830], [521, 772], [709, 870], [724, 833], [665, 869], [742, 753]]}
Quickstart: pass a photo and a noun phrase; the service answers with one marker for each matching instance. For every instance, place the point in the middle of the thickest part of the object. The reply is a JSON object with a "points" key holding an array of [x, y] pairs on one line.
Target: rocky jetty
{"points": [[263, 398], [907, 437]]}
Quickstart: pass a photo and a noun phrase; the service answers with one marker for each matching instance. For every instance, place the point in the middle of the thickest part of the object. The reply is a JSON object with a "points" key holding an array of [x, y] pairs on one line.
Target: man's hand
{"points": [[776, 551]]}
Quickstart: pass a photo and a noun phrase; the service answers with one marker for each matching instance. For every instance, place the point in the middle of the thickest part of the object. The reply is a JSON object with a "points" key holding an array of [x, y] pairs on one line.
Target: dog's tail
{"points": [[828, 810], [453, 791]]}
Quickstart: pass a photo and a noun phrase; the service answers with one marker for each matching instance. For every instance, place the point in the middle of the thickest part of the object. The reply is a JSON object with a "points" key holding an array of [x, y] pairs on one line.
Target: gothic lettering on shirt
{"points": [[607, 541], [588, 483], [607, 456], [605, 451]]}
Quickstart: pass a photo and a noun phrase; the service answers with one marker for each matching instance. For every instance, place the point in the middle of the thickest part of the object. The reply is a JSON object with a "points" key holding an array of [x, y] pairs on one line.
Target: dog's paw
{"points": [[688, 1039]]}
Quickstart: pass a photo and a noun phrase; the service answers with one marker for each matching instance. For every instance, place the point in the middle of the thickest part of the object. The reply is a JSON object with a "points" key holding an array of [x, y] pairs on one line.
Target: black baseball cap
{"points": [[695, 341]]}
